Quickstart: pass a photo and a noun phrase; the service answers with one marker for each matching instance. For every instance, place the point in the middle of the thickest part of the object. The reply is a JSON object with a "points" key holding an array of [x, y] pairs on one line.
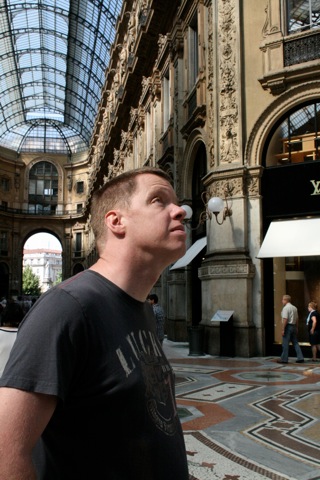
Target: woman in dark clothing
{"points": [[314, 329]]}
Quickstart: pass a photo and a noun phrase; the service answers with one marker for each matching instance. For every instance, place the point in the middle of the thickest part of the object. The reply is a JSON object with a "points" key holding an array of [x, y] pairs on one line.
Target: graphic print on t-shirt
{"points": [[145, 353]]}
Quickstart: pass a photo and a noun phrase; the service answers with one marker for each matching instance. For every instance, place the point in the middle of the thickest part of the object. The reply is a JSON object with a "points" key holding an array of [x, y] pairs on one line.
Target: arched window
{"points": [[43, 188], [296, 138], [303, 15]]}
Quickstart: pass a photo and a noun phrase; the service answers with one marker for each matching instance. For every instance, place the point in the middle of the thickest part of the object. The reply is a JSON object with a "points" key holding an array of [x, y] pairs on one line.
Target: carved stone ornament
{"points": [[227, 188], [229, 115], [252, 185], [115, 168], [269, 28], [210, 89]]}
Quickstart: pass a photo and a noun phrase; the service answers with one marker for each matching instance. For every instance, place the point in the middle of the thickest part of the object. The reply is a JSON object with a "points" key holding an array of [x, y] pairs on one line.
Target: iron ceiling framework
{"points": [[53, 58]]}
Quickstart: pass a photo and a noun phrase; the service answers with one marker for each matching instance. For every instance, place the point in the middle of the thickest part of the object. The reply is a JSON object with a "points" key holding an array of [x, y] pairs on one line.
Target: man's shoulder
{"points": [[87, 281], [290, 306]]}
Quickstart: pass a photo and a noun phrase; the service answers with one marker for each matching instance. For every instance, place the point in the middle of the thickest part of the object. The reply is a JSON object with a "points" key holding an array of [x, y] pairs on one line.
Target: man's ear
{"points": [[113, 220]]}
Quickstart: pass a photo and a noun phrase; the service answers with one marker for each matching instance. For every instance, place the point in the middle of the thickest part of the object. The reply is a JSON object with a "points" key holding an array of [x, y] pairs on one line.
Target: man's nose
{"points": [[180, 212]]}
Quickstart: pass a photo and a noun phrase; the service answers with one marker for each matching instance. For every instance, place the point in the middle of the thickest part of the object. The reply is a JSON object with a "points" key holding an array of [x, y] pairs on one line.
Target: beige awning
{"points": [[190, 254], [291, 238]]}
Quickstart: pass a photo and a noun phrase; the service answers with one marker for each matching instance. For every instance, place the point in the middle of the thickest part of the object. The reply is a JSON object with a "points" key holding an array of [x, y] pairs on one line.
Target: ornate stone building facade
{"points": [[218, 93]]}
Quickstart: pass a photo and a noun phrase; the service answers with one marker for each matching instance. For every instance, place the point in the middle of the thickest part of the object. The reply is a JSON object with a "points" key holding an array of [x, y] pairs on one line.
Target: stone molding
{"points": [[227, 271]]}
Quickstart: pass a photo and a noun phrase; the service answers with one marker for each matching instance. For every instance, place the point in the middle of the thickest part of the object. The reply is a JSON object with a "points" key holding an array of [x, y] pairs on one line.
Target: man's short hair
{"points": [[116, 193], [153, 297]]}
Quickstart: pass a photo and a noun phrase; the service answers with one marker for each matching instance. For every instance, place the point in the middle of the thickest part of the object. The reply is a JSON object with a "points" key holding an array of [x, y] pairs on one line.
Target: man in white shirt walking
{"points": [[290, 318]]}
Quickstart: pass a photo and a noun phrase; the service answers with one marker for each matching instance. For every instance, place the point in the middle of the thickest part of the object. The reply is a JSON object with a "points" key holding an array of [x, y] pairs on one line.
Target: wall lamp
{"points": [[213, 205]]}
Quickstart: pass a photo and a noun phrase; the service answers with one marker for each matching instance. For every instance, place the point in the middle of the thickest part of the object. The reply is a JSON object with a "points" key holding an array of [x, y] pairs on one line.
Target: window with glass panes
{"points": [[303, 15], [43, 187]]}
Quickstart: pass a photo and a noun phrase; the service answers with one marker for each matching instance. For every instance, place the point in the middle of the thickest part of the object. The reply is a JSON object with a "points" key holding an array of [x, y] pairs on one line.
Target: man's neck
{"points": [[136, 282]]}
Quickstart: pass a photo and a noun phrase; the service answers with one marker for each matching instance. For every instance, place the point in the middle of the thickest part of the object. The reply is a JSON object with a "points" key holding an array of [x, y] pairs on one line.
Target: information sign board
{"points": [[222, 316]]}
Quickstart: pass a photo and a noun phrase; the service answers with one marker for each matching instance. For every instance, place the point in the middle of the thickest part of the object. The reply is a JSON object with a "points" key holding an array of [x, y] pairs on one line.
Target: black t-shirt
{"points": [[95, 348]]}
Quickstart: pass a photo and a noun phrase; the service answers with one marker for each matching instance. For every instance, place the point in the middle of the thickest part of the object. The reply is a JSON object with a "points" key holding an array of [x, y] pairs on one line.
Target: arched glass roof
{"points": [[53, 58]]}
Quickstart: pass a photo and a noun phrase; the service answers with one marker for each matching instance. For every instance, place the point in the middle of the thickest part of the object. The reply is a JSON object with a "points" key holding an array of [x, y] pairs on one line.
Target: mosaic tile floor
{"points": [[248, 419]]}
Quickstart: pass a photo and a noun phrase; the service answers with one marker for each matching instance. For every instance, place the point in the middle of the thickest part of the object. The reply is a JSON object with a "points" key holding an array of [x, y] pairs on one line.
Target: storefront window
{"points": [[298, 277], [297, 138], [290, 191]]}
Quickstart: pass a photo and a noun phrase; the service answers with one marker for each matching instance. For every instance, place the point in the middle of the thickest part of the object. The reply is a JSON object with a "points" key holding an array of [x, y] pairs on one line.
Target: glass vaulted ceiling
{"points": [[53, 57]]}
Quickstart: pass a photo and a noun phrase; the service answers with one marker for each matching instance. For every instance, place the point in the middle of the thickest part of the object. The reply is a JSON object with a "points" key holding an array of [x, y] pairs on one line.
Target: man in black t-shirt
{"points": [[87, 392]]}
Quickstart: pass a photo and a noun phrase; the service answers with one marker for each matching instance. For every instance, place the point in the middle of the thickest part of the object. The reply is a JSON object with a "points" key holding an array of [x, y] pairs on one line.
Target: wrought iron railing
{"points": [[50, 213], [302, 49]]}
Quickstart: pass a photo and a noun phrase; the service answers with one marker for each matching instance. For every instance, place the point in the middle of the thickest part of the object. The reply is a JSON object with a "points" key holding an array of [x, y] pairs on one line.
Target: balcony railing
{"points": [[49, 213], [302, 49]]}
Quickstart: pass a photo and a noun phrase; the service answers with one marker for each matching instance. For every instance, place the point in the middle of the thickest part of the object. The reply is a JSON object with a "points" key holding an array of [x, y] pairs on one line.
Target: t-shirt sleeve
{"points": [[49, 348]]}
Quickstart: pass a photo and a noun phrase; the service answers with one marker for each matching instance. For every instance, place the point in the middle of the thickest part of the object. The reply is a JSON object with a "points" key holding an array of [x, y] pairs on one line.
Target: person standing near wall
{"points": [[290, 319], [313, 323], [8, 334], [159, 315]]}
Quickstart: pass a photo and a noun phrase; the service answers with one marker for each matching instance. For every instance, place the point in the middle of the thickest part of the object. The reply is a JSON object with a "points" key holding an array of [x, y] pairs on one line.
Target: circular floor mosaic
{"points": [[269, 376]]}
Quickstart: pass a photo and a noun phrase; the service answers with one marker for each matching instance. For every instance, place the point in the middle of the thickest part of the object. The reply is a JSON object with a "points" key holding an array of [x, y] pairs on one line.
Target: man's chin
{"points": [[178, 254]]}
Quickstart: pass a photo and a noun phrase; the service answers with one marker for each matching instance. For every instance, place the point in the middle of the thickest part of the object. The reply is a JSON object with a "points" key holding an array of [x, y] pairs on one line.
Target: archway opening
{"points": [[42, 258]]}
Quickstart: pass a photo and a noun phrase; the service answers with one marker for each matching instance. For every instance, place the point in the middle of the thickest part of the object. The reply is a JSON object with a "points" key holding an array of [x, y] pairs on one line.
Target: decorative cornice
{"points": [[227, 271]]}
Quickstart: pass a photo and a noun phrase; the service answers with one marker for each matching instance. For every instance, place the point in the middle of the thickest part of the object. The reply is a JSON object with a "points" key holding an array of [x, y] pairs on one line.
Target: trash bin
{"points": [[227, 338], [195, 334]]}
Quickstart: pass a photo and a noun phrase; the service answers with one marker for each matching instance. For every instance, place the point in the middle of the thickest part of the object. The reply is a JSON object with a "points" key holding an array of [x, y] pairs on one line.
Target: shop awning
{"points": [[291, 238], [190, 254]]}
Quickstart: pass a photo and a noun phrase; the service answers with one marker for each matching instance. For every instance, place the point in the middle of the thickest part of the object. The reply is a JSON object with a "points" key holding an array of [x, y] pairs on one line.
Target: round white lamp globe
{"points": [[215, 205], [188, 211]]}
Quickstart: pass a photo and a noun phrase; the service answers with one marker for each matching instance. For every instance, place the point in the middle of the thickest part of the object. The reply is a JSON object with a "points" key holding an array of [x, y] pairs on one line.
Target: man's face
{"points": [[154, 220]]}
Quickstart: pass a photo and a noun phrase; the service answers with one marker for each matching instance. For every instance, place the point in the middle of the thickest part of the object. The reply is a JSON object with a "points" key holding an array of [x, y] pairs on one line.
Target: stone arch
{"points": [[263, 126], [197, 138], [167, 164], [32, 231]]}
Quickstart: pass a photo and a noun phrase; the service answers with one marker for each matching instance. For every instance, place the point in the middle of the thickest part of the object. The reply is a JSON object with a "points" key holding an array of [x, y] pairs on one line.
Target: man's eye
{"points": [[157, 200]]}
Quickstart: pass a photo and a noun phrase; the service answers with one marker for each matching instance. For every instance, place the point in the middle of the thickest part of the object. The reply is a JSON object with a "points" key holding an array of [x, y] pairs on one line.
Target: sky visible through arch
{"points": [[43, 240]]}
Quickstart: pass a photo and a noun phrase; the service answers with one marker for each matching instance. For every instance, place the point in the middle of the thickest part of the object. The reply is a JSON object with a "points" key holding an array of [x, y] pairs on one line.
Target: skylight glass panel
{"points": [[55, 44], [8, 83], [57, 48], [29, 60], [8, 65], [29, 91], [42, 114], [24, 42]]}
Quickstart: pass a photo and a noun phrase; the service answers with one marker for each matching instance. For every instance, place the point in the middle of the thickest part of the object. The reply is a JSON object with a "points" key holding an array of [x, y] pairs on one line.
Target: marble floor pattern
{"points": [[247, 419]]}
